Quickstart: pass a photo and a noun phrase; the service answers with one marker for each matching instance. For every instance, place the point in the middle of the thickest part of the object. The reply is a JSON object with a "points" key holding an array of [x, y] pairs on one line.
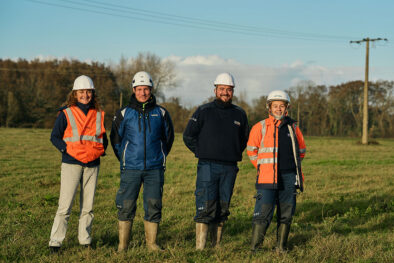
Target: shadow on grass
{"points": [[108, 238], [176, 235], [300, 239], [346, 215], [239, 225]]}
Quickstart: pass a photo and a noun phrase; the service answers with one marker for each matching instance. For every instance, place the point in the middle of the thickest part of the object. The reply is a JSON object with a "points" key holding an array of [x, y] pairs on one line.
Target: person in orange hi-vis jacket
{"points": [[276, 147], [79, 134]]}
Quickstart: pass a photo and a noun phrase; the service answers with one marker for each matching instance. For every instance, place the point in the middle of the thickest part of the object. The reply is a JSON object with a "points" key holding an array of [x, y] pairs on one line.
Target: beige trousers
{"points": [[73, 175]]}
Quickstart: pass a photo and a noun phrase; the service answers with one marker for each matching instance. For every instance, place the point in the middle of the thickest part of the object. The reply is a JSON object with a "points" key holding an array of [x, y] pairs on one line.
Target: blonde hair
{"points": [[72, 100]]}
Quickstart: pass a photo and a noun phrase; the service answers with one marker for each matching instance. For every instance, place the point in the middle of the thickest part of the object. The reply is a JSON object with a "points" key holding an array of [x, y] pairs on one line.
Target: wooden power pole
{"points": [[364, 138], [121, 99]]}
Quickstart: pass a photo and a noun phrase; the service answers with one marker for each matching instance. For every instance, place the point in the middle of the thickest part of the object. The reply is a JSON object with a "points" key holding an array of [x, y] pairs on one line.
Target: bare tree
{"points": [[162, 72]]}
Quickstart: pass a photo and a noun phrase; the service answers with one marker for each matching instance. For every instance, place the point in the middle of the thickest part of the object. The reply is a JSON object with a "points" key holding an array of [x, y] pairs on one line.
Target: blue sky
{"points": [[281, 42]]}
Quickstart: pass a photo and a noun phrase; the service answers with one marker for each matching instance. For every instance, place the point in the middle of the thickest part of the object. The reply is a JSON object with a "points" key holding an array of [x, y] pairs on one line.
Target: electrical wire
{"points": [[175, 20], [212, 22]]}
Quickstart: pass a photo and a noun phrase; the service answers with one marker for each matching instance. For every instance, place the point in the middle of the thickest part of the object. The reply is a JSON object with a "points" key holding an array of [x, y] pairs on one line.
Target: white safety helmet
{"points": [[83, 82], [142, 78], [278, 95], [225, 79]]}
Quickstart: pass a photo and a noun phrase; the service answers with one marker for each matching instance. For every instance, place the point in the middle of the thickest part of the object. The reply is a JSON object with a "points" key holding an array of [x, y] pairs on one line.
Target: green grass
{"points": [[346, 213]]}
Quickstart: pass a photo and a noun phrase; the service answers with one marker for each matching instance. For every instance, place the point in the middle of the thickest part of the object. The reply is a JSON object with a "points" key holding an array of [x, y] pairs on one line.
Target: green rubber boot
{"points": [[258, 233], [282, 236]]}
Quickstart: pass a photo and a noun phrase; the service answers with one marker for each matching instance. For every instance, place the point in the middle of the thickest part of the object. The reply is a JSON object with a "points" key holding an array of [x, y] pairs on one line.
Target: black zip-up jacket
{"points": [[285, 155], [58, 132], [217, 132]]}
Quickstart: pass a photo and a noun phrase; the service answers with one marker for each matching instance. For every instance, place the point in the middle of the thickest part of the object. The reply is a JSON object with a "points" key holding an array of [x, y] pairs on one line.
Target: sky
{"points": [[266, 45]]}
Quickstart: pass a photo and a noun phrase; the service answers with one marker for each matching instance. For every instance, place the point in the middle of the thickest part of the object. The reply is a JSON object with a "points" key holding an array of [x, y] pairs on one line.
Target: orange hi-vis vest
{"points": [[84, 134], [262, 149]]}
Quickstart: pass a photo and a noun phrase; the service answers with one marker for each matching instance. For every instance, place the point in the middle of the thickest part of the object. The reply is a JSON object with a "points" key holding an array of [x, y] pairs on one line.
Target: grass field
{"points": [[346, 213]]}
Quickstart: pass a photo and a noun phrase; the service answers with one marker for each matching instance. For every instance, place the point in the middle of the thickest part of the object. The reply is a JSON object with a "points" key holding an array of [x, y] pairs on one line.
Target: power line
{"points": [[215, 23], [175, 20]]}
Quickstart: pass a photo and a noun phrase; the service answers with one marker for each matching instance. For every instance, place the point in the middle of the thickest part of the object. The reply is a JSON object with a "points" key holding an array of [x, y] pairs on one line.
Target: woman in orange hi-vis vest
{"points": [[79, 134], [276, 147]]}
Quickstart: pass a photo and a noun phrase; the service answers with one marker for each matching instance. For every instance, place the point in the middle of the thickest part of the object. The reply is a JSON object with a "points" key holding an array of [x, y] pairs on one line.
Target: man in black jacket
{"points": [[217, 134]]}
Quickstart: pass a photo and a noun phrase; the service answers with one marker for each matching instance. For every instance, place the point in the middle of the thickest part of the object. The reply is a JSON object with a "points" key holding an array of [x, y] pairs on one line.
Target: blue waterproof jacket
{"points": [[142, 135]]}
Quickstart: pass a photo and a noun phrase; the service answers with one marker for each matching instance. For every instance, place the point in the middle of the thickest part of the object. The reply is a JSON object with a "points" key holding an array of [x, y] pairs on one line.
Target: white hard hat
{"points": [[225, 79], [278, 95], [142, 78], [83, 82]]}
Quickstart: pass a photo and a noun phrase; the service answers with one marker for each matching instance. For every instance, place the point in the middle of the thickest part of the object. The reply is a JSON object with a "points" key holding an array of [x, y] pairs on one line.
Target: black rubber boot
{"points": [[282, 236], [258, 233], [54, 250]]}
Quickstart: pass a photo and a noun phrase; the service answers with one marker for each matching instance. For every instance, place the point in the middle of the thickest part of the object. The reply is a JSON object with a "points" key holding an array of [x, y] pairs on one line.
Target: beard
{"points": [[224, 102], [224, 97]]}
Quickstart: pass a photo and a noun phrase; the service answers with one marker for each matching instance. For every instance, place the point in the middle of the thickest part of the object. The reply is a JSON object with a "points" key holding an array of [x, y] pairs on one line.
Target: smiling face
{"points": [[224, 93], [278, 109], [84, 96], [142, 93]]}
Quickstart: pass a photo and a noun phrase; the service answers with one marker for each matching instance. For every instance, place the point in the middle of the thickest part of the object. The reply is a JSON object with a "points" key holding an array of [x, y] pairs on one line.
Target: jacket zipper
{"points": [[143, 115], [164, 156], [124, 154], [275, 128]]}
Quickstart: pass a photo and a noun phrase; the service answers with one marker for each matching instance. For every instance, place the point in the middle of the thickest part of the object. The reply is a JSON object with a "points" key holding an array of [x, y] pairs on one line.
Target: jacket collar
{"points": [[279, 123], [222, 105], [84, 107], [147, 106]]}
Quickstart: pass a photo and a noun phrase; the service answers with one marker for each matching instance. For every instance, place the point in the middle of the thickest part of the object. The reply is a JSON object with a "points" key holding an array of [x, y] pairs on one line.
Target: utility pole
{"points": [[120, 99], [364, 138]]}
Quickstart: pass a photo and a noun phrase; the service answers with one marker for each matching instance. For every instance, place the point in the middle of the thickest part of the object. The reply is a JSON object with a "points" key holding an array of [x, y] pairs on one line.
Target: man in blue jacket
{"points": [[142, 135]]}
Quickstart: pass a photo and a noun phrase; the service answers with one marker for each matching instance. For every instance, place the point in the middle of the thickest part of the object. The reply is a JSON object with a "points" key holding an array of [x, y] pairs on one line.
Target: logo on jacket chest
{"points": [[237, 123]]}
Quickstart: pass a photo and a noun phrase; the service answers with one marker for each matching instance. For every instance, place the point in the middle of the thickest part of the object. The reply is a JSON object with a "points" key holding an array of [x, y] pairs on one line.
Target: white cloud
{"points": [[196, 75], [212, 60]]}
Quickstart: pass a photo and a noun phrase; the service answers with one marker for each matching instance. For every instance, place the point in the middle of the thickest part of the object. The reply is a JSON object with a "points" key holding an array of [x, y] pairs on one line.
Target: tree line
{"points": [[31, 93]]}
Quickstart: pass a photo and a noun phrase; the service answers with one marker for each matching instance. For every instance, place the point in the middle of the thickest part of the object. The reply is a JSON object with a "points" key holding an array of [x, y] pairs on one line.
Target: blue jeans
{"points": [[130, 184], [284, 197], [214, 188]]}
